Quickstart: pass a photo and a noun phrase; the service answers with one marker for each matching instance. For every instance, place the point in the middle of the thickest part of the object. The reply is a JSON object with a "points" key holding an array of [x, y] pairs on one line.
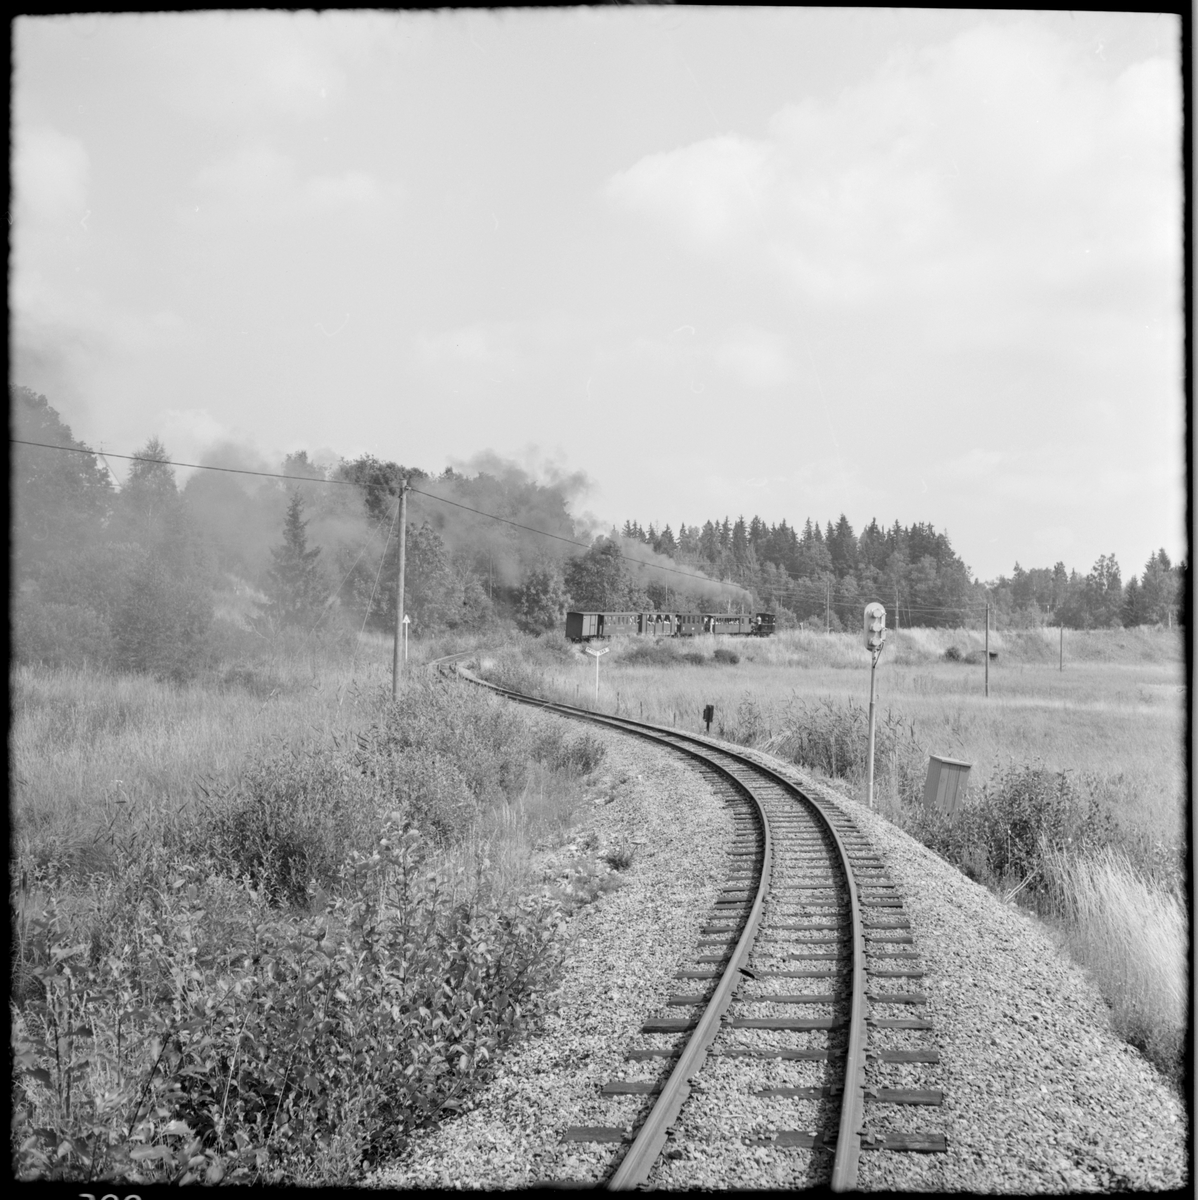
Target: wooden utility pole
{"points": [[1062, 664], [986, 652], [399, 597]]}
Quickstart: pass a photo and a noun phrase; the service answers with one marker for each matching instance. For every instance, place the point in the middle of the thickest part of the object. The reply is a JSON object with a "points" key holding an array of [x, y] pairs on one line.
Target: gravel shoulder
{"points": [[622, 953], [1040, 1094]]}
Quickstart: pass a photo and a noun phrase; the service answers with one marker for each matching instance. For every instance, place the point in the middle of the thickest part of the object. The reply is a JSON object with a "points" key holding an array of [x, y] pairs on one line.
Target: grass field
{"points": [[1116, 713], [266, 922], [212, 882]]}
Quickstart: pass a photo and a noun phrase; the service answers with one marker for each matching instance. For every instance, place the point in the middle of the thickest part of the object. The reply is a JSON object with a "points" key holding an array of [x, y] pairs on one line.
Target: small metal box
{"points": [[945, 786]]}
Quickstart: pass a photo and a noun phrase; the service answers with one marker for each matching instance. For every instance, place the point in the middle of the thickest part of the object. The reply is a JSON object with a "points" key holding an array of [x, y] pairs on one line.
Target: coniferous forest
{"points": [[133, 576]]}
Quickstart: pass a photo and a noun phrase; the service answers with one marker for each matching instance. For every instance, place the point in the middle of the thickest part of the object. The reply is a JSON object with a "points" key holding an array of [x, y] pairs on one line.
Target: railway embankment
{"points": [[1040, 1094]]}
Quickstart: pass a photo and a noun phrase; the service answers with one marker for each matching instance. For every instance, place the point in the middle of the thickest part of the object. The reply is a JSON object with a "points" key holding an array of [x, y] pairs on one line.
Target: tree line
{"points": [[153, 576], [824, 577]]}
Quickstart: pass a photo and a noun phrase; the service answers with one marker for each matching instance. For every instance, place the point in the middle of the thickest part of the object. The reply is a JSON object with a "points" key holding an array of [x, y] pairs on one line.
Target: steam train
{"points": [[587, 626]]}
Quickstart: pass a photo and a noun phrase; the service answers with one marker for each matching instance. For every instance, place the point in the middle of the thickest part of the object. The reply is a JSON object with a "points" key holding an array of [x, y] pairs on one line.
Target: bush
{"points": [[162, 624], [693, 657], [59, 635], [723, 655], [575, 758], [313, 1056], [952, 654], [657, 653], [1005, 834], [291, 821]]}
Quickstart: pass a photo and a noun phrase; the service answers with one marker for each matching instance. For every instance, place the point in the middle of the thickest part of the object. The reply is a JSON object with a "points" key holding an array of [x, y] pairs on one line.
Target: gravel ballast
{"points": [[1040, 1094], [619, 970]]}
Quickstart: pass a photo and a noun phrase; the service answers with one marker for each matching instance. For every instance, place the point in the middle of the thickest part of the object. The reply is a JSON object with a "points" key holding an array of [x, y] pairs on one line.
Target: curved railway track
{"points": [[801, 909]]}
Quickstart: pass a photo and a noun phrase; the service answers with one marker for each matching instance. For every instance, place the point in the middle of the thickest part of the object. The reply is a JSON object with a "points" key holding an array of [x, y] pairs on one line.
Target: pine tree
{"points": [[296, 584]]}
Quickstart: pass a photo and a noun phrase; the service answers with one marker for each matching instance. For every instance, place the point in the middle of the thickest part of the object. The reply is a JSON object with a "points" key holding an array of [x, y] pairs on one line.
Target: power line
{"points": [[794, 588], [355, 483], [170, 462]]}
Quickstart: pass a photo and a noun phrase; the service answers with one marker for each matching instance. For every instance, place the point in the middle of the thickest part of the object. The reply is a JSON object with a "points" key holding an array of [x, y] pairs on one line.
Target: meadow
{"points": [[1077, 798], [266, 922]]}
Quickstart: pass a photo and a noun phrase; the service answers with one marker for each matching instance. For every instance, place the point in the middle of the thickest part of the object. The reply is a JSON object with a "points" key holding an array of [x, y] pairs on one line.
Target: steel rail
{"points": [[650, 1139], [852, 1111]]}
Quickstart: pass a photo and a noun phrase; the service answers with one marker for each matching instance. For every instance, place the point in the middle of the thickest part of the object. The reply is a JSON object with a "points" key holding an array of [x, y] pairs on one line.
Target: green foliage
{"points": [[296, 589], [286, 988], [645, 653], [58, 634], [573, 757], [598, 580], [542, 599], [162, 624], [59, 500], [1006, 832], [832, 738], [312, 1053], [293, 819]]}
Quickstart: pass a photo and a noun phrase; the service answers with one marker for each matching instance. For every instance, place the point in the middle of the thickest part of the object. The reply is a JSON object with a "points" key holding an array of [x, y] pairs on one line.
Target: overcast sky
{"points": [[917, 265]]}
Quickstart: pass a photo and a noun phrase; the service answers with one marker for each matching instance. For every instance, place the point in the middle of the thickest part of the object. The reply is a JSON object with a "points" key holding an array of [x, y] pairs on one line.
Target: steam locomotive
{"points": [[586, 626]]}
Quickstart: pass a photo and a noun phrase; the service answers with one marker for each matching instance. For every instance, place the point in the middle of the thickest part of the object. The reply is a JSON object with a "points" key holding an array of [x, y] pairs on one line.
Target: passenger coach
{"points": [[587, 626]]}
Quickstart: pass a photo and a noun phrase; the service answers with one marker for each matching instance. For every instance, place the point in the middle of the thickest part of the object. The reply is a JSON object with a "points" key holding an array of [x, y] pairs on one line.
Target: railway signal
{"points": [[875, 639]]}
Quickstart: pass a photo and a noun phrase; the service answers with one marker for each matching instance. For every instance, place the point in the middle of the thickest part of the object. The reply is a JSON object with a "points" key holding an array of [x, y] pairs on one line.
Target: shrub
{"points": [[693, 657], [59, 634], [952, 654], [619, 857], [162, 623], [576, 758], [645, 653], [723, 655], [314, 1055], [292, 820]]}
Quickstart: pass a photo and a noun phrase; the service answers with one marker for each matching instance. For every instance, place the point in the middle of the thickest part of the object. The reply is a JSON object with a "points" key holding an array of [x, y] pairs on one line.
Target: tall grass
{"points": [[261, 933], [1133, 938]]}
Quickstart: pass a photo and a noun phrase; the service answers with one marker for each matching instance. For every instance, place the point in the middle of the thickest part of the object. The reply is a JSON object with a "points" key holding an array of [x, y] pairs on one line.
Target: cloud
{"points": [[755, 358], [50, 177], [1000, 167], [259, 183], [709, 192], [254, 65], [507, 346]]}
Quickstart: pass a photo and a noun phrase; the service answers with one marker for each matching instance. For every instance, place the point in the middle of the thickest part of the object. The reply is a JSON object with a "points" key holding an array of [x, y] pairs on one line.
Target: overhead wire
{"points": [[796, 588]]}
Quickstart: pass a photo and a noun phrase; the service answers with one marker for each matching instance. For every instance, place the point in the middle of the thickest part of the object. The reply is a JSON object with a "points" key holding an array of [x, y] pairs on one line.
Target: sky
{"points": [[918, 265]]}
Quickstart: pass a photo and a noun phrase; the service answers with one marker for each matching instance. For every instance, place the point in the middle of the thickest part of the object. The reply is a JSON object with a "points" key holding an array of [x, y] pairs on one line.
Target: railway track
{"points": [[806, 960]]}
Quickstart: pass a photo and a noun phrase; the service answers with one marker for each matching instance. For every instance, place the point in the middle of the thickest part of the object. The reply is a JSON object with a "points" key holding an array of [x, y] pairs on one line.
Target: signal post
{"points": [[875, 639]]}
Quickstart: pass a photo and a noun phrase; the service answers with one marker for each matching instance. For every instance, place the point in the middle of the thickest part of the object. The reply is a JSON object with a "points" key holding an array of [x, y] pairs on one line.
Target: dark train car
{"points": [[656, 624], [764, 624], [585, 626], [727, 623], [688, 625], [614, 623], [581, 627]]}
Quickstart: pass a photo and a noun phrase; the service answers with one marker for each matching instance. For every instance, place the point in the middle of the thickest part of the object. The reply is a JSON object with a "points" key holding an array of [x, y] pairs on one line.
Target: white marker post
{"points": [[875, 639], [597, 654], [406, 622]]}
